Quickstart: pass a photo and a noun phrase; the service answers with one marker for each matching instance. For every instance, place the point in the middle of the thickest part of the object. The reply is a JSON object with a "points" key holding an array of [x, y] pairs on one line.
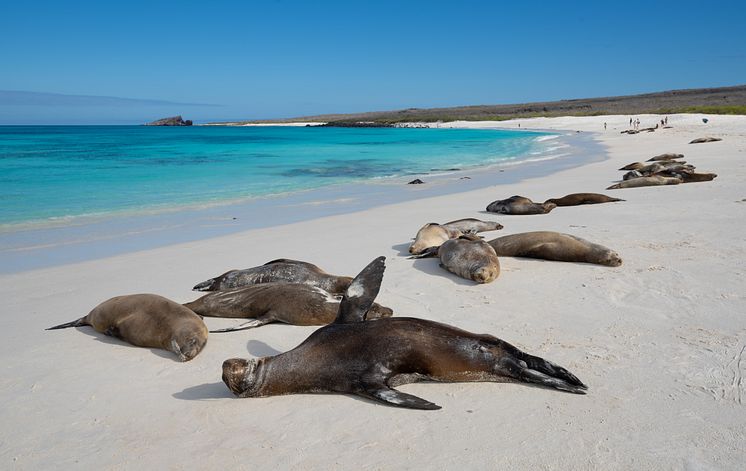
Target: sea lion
{"points": [[474, 225], [575, 199], [700, 140], [291, 303], [148, 320], [633, 166], [369, 358], [433, 234], [688, 176], [653, 180], [554, 246], [468, 257], [282, 269], [519, 205], [666, 157]]}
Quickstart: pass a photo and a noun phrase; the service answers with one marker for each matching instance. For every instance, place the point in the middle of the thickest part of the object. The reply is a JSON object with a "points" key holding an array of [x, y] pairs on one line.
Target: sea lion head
{"points": [[377, 311], [611, 259], [485, 274], [430, 235], [188, 342], [548, 207], [239, 374]]}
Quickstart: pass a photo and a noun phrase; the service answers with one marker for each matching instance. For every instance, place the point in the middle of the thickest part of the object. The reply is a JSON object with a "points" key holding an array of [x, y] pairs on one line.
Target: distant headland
{"points": [[172, 121]]}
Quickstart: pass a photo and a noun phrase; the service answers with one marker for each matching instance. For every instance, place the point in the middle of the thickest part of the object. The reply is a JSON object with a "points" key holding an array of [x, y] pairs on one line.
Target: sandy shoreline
{"points": [[660, 341]]}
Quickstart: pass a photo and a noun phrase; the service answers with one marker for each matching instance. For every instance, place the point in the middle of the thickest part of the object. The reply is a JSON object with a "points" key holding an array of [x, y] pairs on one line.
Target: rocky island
{"points": [[172, 121]]}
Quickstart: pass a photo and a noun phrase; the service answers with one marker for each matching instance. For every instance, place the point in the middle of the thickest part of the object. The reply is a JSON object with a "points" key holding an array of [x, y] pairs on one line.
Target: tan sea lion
{"points": [[519, 205], [148, 320], [633, 166], [688, 176], [700, 140], [468, 257], [575, 199], [556, 246], [653, 180], [472, 225], [666, 157], [291, 303], [369, 358], [433, 235], [282, 270]]}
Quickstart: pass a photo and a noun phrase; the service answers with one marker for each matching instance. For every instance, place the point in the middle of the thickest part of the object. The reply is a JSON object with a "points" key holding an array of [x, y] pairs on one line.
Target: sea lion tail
{"points": [[205, 285], [537, 370], [75, 323]]}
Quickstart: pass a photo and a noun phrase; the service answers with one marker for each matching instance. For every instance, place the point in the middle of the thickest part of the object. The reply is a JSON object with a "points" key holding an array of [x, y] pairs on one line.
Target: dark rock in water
{"points": [[416, 181], [172, 121], [466, 178]]}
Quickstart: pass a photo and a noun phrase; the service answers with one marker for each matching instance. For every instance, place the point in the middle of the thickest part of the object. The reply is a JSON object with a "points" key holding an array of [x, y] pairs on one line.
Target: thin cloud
{"points": [[25, 98]]}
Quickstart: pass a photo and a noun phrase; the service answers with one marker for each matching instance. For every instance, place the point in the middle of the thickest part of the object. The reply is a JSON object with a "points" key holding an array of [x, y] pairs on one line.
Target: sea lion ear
{"points": [[361, 293]]}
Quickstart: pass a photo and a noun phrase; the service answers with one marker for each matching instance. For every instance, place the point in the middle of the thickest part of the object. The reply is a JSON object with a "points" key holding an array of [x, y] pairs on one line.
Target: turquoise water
{"points": [[53, 173]]}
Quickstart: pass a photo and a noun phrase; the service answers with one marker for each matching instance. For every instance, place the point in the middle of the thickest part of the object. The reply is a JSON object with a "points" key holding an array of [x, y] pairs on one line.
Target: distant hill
{"points": [[723, 100]]}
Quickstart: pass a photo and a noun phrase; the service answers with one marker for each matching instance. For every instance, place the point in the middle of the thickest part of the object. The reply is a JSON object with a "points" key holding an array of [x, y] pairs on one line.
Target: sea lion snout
{"points": [[377, 311], [234, 372], [485, 274], [613, 260], [191, 348]]}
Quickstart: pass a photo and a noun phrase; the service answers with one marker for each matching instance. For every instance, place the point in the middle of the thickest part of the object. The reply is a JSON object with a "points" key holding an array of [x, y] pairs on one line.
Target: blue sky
{"points": [[279, 58]]}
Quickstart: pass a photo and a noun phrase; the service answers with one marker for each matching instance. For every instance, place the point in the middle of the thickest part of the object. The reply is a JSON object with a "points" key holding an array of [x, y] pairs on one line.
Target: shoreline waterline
{"points": [[93, 238]]}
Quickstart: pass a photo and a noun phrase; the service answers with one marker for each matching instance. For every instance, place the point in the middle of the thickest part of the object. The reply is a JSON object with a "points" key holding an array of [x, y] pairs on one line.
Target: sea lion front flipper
{"points": [[392, 397], [427, 253], [246, 325], [361, 293]]}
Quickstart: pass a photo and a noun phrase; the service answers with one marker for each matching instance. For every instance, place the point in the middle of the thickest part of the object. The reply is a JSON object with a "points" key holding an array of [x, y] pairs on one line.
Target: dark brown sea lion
{"points": [[370, 358], [468, 257], [688, 176], [472, 225], [653, 180], [666, 157], [519, 205], [700, 140], [433, 235], [283, 270], [291, 303], [554, 246], [148, 320], [576, 199]]}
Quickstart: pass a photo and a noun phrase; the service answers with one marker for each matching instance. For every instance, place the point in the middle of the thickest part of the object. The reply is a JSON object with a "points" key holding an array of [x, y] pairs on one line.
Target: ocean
{"points": [[53, 175]]}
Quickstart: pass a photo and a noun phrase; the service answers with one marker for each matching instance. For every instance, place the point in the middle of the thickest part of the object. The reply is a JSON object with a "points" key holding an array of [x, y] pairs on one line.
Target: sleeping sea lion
{"points": [[474, 225], [700, 140], [369, 358], [519, 205], [433, 235], [468, 257], [575, 199], [283, 269], [556, 246], [688, 176], [653, 180], [666, 157], [148, 320], [291, 303], [633, 166]]}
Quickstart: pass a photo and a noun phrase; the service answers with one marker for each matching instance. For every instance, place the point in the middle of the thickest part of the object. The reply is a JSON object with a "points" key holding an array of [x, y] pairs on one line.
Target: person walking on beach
{"points": [[604, 126], [630, 122]]}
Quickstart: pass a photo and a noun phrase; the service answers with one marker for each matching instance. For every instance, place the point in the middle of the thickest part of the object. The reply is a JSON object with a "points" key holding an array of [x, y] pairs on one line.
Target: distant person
{"points": [[630, 122], [666, 121], [604, 126]]}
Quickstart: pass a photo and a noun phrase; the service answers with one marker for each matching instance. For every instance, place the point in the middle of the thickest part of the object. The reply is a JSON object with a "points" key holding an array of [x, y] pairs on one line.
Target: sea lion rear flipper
{"points": [[361, 293], [244, 326], [427, 253], [392, 397], [205, 285], [75, 323], [539, 371]]}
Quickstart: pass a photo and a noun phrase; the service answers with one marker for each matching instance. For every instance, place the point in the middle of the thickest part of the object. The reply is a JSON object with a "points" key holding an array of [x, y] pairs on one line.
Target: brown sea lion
{"points": [[369, 358], [472, 225], [653, 180], [282, 270], [576, 199], [554, 246], [633, 166], [688, 176], [433, 235], [468, 257], [148, 320], [700, 140], [291, 303], [666, 157], [519, 205]]}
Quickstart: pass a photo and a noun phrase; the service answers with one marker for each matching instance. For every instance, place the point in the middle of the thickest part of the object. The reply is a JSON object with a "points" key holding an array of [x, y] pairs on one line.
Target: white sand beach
{"points": [[660, 341]]}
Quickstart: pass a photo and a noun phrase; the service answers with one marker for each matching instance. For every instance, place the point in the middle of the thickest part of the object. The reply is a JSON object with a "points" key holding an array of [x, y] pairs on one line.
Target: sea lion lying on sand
{"points": [[434, 234], [700, 140], [370, 358], [688, 176], [468, 257], [653, 180], [666, 157], [576, 199], [554, 246], [291, 303], [519, 205], [148, 320], [280, 270]]}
